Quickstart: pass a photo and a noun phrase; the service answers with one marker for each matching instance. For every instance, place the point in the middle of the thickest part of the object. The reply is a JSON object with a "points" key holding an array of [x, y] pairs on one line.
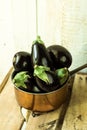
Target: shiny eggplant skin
{"points": [[40, 55], [22, 61], [31, 84], [29, 81], [52, 85], [60, 55]]}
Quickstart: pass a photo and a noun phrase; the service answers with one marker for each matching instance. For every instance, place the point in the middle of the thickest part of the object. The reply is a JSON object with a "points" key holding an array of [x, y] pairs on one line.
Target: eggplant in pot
{"points": [[60, 55], [48, 80], [22, 62], [39, 54]]}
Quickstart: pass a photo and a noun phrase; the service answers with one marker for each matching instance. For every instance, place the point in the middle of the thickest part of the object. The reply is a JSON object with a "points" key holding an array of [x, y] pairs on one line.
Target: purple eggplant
{"points": [[39, 54], [22, 80], [60, 55], [22, 61], [25, 82], [46, 79]]}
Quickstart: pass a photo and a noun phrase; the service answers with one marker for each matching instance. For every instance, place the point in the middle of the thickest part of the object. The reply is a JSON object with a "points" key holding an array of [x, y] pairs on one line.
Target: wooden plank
{"points": [[10, 115], [60, 121], [48, 121], [76, 116], [2, 85], [44, 121]]}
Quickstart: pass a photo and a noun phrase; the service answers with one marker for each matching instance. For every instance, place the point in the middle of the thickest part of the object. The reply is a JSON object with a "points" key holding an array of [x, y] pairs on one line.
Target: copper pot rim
{"points": [[43, 93]]}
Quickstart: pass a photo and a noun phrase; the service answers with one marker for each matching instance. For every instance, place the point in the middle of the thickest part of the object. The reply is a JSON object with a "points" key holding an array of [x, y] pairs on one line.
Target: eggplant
{"points": [[27, 84], [46, 79], [63, 75], [52, 85], [60, 55], [22, 80], [36, 90], [22, 61], [39, 54]]}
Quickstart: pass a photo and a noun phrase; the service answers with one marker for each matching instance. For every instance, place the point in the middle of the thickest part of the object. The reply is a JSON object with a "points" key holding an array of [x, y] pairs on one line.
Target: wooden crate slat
{"points": [[44, 121], [76, 116], [10, 115]]}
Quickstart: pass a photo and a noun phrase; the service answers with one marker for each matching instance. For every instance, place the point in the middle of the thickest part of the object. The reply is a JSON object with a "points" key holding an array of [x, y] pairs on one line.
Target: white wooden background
{"points": [[60, 22]]}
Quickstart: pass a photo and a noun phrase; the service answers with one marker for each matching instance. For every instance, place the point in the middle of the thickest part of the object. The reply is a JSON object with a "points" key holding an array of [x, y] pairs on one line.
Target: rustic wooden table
{"points": [[72, 115]]}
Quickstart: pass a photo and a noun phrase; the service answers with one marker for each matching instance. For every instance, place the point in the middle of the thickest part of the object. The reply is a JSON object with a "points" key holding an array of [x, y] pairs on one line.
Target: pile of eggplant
{"points": [[43, 70]]}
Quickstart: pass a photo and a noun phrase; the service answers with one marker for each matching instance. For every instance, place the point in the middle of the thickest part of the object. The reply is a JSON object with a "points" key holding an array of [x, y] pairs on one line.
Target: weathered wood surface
{"points": [[10, 115], [46, 121], [76, 116]]}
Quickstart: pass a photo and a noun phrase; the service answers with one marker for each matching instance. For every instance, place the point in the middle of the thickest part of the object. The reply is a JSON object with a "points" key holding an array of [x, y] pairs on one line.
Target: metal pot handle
{"points": [[77, 69]]}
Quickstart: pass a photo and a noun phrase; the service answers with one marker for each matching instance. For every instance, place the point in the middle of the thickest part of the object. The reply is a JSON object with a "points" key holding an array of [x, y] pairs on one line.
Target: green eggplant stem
{"points": [[38, 40], [39, 71]]}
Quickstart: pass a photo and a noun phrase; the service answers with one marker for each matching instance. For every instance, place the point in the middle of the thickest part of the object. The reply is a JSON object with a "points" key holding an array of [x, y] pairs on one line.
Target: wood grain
{"points": [[46, 121], [76, 116]]}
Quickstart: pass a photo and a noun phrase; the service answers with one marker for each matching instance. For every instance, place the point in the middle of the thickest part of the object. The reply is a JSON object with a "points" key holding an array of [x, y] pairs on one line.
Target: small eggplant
{"points": [[60, 55], [46, 79], [22, 62], [39, 54], [63, 75], [35, 88], [22, 80]]}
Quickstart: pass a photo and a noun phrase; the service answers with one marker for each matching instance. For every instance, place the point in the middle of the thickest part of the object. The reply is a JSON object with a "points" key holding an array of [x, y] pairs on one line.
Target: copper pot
{"points": [[44, 102]]}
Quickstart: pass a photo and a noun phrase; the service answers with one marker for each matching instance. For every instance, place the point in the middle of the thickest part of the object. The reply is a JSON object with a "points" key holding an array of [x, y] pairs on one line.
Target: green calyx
{"points": [[20, 79], [40, 72], [38, 40]]}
